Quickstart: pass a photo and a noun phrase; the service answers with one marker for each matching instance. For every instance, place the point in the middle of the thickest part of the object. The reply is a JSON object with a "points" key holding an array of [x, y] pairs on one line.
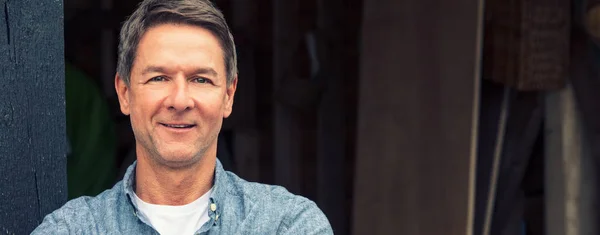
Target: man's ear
{"points": [[229, 97], [123, 94]]}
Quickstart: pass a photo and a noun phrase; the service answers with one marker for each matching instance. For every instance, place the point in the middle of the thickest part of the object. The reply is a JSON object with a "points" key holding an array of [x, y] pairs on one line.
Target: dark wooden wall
{"points": [[417, 117], [32, 113]]}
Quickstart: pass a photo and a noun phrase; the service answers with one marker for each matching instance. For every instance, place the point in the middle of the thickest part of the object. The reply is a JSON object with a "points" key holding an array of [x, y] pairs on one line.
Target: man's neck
{"points": [[161, 185]]}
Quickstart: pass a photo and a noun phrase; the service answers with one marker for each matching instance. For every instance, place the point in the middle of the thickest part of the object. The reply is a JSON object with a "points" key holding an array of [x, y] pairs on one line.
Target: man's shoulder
{"points": [[99, 203], [297, 214], [82, 212], [265, 194]]}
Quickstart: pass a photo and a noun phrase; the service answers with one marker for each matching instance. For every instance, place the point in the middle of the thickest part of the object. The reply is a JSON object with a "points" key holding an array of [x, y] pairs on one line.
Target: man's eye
{"points": [[201, 80], [157, 79]]}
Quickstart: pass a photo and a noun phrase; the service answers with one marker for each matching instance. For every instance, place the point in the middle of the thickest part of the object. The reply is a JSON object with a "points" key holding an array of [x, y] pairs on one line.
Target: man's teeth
{"points": [[178, 126]]}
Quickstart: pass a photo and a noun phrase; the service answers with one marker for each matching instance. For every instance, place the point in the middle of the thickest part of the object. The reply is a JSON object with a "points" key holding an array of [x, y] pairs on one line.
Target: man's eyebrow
{"points": [[199, 71], [206, 71], [153, 69]]}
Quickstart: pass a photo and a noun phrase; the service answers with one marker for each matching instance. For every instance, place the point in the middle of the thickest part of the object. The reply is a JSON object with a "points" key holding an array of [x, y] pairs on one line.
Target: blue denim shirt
{"points": [[241, 208]]}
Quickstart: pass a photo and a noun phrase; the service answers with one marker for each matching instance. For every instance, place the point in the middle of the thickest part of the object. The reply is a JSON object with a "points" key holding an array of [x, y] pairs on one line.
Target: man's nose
{"points": [[179, 97]]}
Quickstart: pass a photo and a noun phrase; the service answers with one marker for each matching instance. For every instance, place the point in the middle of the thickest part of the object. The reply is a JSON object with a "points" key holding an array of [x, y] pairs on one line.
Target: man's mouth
{"points": [[180, 126]]}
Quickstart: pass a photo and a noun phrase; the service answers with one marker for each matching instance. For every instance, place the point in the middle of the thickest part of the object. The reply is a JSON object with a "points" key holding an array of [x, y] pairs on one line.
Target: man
{"points": [[176, 79]]}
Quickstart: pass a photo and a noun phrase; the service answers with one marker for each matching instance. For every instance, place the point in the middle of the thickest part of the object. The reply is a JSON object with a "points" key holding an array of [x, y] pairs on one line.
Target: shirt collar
{"points": [[216, 198]]}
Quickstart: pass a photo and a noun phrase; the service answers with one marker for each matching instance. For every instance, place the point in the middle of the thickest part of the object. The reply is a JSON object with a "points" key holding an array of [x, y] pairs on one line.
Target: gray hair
{"points": [[201, 13]]}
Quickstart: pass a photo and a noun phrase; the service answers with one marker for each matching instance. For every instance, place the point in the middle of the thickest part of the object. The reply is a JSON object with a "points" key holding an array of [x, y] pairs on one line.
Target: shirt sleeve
{"points": [[69, 219], [306, 218], [52, 224]]}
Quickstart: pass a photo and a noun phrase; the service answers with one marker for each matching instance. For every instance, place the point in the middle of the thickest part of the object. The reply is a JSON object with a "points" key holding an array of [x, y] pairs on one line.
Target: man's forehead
{"points": [[165, 33], [168, 45]]}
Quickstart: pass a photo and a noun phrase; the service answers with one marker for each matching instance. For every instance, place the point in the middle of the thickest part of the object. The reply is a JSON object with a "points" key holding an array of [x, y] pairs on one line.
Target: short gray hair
{"points": [[201, 13]]}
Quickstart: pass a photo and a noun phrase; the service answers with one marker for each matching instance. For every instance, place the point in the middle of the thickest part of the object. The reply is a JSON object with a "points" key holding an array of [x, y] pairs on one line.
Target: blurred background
{"points": [[396, 117]]}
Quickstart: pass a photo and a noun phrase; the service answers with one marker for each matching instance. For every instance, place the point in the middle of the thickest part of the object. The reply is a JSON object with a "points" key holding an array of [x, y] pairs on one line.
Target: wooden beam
{"points": [[32, 113], [287, 130], [332, 41], [417, 119]]}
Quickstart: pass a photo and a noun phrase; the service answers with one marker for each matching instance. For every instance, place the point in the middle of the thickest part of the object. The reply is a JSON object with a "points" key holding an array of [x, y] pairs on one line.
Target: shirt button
{"points": [[213, 207]]}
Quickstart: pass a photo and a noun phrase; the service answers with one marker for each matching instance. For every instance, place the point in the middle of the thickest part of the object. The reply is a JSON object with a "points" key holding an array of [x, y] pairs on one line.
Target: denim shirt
{"points": [[241, 208]]}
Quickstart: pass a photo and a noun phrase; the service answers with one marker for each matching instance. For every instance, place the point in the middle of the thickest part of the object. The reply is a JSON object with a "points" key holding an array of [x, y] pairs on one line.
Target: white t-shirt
{"points": [[185, 219]]}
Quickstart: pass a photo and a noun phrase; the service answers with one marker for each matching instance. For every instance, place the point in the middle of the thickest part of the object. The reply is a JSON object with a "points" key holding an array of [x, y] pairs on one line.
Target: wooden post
{"points": [[417, 118], [333, 42], [32, 113], [286, 136]]}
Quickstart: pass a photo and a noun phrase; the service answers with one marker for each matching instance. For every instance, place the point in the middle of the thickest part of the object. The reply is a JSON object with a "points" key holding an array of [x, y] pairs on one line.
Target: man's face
{"points": [[178, 94]]}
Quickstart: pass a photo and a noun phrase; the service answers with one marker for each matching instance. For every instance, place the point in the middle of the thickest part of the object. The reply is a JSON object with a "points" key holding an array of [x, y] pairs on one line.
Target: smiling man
{"points": [[176, 79]]}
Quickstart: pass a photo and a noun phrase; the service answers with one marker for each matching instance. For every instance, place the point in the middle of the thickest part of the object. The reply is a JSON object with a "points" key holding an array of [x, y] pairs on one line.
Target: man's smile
{"points": [[178, 126]]}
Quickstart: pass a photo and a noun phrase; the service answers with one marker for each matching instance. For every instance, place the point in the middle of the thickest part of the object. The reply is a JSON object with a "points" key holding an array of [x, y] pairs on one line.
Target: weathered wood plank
{"points": [[32, 113], [417, 119]]}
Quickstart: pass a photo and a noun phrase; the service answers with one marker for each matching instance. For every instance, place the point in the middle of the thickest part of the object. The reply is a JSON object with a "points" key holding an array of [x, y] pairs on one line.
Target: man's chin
{"points": [[178, 160]]}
